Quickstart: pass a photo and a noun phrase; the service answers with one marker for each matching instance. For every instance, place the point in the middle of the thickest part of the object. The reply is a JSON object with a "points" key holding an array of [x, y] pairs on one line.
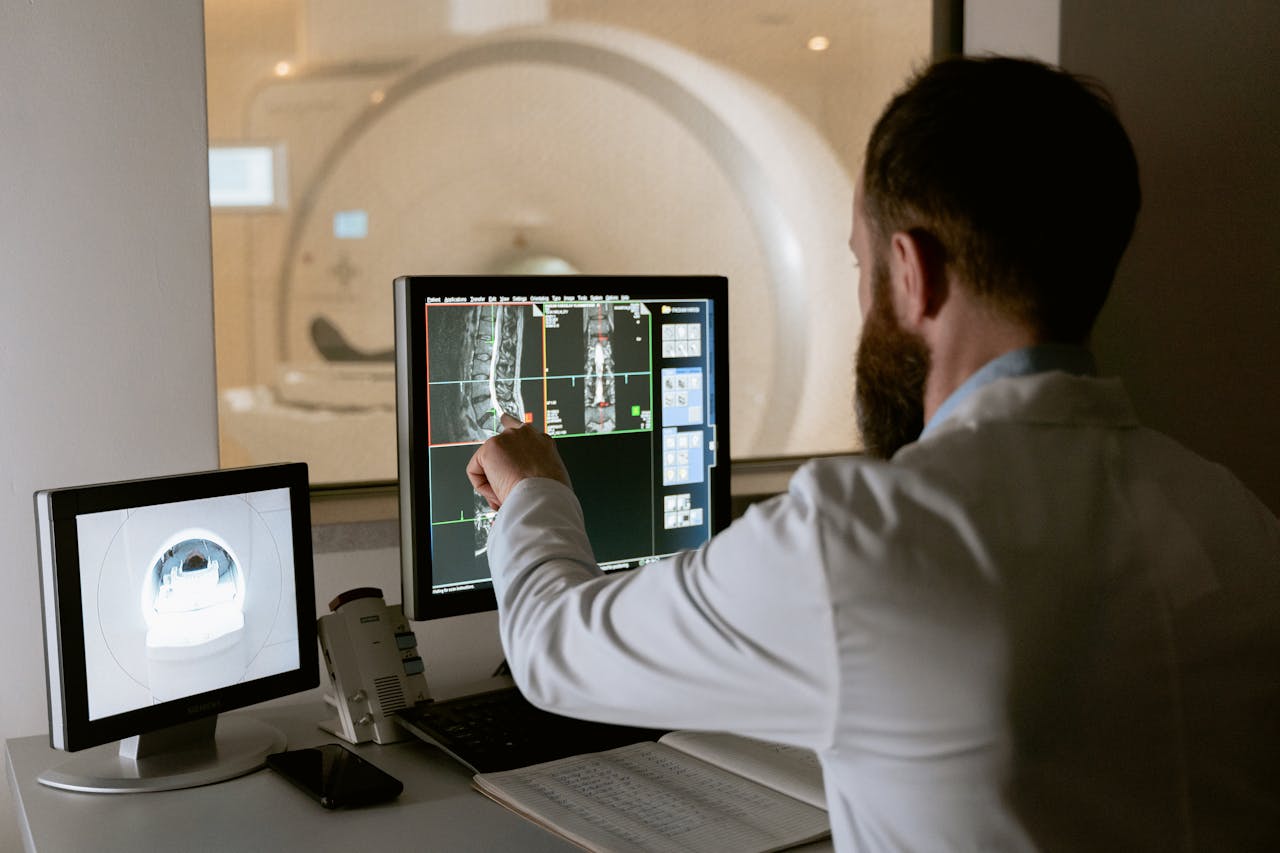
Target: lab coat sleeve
{"points": [[735, 636]]}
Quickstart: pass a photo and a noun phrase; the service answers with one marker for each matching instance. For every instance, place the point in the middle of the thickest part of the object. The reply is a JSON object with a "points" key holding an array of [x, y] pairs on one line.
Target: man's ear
{"points": [[916, 263]]}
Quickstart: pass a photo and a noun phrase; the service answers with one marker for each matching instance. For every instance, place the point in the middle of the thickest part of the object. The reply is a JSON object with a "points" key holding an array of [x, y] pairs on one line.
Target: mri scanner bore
{"points": [[193, 604], [564, 147]]}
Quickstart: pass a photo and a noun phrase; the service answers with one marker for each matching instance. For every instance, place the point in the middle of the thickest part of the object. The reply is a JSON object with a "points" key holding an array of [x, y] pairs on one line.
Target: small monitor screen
{"points": [[175, 598], [628, 374], [181, 598]]}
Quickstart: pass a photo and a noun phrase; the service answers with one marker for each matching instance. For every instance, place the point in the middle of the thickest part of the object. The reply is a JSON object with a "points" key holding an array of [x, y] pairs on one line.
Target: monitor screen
{"points": [[174, 598], [627, 373]]}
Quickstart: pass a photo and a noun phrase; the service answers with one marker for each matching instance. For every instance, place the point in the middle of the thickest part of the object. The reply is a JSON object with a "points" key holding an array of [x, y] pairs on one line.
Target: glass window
{"points": [[360, 142]]}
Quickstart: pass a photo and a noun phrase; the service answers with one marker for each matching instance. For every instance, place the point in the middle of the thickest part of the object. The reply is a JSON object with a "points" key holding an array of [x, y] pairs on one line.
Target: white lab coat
{"points": [[1040, 626]]}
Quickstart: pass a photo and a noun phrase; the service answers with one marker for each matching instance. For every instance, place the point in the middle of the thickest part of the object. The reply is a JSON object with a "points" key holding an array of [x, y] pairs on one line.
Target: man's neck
{"points": [[962, 346]]}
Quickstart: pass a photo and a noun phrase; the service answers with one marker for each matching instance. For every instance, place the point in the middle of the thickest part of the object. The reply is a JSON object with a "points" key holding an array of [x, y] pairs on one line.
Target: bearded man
{"points": [[1019, 621]]}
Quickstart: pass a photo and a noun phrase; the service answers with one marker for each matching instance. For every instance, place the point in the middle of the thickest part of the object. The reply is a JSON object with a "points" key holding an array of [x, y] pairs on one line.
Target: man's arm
{"points": [[734, 636]]}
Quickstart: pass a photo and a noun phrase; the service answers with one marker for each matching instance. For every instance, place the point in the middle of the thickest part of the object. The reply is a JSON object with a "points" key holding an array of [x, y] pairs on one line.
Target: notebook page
{"points": [[650, 797], [792, 770]]}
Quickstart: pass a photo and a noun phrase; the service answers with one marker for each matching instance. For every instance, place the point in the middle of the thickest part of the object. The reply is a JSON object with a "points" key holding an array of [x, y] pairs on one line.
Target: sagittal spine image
{"points": [[495, 337], [483, 523], [475, 355], [598, 392]]}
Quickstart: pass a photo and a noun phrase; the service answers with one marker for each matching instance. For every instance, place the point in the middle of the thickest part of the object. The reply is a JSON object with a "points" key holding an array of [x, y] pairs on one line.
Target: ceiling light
{"points": [[283, 69], [819, 43]]}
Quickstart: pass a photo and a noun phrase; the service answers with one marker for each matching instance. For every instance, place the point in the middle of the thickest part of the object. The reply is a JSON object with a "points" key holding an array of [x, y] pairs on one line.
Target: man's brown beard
{"points": [[890, 372]]}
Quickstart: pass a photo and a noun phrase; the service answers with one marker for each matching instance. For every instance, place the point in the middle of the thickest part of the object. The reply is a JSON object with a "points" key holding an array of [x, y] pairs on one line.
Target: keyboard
{"points": [[501, 730]]}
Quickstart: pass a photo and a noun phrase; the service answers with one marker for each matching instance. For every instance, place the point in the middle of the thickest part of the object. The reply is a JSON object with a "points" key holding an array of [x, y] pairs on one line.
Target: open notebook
{"points": [[689, 791]]}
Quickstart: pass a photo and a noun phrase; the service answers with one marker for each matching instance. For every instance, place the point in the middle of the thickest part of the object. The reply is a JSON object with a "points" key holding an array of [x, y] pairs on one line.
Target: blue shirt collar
{"points": [[1020, 362]]}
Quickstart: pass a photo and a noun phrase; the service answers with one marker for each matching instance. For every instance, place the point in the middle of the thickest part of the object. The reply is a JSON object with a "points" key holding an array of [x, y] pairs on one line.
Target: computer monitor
{"points": [[167, 601], [629, 374]]}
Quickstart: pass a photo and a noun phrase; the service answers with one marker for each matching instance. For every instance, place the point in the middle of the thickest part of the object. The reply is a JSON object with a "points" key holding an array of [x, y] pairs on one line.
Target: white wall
{"points": [[106, 309], [1012, 28]]}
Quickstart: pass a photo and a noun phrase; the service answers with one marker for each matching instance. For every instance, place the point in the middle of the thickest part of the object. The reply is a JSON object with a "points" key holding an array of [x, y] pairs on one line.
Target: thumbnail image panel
{"points": [[683, 460], [682, 396]]}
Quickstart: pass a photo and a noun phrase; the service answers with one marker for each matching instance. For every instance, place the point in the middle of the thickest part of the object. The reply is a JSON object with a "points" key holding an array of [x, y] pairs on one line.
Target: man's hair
{"points": [[1023, 176]]}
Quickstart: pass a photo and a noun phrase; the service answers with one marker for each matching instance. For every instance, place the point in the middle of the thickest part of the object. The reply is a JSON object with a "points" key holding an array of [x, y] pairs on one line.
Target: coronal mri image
{"points": [[598, 367], [598, 412]]}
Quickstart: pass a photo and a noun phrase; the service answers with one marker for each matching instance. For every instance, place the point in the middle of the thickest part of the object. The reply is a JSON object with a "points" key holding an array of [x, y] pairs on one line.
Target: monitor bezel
{"points": [[70, 727], [411, 293]]}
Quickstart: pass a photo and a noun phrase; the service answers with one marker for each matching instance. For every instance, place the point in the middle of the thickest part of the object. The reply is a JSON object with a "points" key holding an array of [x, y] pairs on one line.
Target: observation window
{"points": [[532, 136]]}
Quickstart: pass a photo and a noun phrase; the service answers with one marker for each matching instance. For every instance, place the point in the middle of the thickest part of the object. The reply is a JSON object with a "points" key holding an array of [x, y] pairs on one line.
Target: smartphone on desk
{"points": [[335, 776]]}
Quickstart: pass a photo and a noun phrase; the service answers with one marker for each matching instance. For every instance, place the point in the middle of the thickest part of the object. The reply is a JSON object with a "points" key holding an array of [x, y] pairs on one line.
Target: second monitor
{"points": [[628, 373]]}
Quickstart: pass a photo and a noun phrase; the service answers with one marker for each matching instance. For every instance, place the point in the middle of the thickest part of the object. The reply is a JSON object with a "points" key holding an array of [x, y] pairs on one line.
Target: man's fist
{"points": [[509, 457]]}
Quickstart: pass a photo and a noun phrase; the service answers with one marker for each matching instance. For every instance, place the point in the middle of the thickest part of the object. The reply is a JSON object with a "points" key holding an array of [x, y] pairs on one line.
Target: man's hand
{"points": [[509, 457]]}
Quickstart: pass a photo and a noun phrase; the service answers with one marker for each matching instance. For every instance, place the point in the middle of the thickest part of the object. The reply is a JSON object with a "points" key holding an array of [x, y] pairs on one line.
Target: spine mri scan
{"points": [[598, 389], [491, 359], [494, 341]]}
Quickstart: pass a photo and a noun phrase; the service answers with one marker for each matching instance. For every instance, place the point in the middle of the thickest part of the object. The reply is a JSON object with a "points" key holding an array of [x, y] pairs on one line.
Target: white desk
{"points": [[438, 809]]}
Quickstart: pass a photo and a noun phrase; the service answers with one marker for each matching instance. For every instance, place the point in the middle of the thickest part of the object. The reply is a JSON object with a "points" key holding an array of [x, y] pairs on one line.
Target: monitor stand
{"points": [[199, 752]]}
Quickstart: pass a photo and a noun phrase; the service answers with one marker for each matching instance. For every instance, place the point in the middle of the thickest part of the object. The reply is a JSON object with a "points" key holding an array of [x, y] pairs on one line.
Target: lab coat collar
{"points": [[1041, 358], [1049, 398]]}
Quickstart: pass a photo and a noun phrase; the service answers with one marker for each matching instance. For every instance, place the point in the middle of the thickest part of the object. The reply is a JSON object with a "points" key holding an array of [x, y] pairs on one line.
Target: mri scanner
{"points": [[563, 147], [179, 610]]}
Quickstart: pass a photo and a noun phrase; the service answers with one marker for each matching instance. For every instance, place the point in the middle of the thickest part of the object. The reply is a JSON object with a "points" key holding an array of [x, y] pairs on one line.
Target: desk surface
{"points": [[438, 809]]}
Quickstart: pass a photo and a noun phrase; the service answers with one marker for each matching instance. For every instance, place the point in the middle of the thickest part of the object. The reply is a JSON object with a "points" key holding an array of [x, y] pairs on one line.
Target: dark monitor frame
{"points": [[58, 543], [411, 293]]}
